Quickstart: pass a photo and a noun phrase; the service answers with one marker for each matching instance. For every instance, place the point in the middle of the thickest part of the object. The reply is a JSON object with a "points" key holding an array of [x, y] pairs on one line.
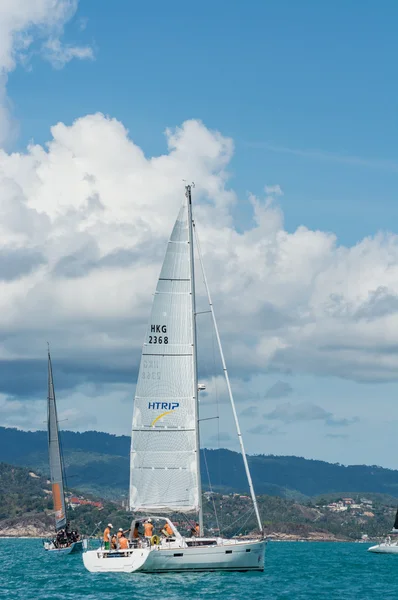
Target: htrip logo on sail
{"points": [[167, 407], [163, 405]]}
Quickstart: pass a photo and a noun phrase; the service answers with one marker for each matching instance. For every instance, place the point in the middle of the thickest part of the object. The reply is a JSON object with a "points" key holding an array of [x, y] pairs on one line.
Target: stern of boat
{"points": [[113, 561]]}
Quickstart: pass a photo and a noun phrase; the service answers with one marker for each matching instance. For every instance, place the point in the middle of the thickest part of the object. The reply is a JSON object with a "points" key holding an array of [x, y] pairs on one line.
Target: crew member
{"points": [[121, 532], [114, 542], [195, 531], [123, 542], [167, 530], [107, 536], [136, 531], [148, 529]]}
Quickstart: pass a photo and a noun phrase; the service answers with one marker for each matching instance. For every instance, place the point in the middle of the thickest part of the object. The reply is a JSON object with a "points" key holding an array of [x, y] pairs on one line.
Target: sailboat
{"points": [[64, 542], [388, 546], [165, 445]]}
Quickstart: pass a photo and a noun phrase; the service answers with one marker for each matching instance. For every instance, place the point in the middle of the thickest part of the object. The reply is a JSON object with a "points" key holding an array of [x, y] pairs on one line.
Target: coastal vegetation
{"points": [[98, 463], [26, 509]]}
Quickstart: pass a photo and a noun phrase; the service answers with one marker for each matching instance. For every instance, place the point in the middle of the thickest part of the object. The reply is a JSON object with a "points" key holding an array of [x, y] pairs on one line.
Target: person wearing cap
{"points": [[121, 533], [107, 536], [148, 529]]}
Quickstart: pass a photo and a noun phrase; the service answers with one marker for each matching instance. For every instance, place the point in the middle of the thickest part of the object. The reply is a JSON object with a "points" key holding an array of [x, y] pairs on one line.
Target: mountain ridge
{"points": [[26, 509], [99, 462]]}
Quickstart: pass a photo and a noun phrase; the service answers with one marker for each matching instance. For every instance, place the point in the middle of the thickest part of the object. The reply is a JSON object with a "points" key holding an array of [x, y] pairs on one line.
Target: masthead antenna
{"points": [[188, 190]]}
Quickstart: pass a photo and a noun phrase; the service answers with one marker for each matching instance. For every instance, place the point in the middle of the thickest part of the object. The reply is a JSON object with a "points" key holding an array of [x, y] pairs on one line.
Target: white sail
{"points": [[56, 470], [164, 465]]}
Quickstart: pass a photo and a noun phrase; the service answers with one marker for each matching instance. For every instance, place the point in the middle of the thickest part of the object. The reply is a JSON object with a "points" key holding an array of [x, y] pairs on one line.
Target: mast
{"points": [[195, 356], [395, 526], [231, 398], [54, 451]]}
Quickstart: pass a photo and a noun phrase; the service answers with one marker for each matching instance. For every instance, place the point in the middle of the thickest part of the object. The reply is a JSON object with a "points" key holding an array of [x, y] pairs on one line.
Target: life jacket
{"points": [[168, 529], [107, 534], [148, 529], [123, 543], [197, 529], [136, 534]]}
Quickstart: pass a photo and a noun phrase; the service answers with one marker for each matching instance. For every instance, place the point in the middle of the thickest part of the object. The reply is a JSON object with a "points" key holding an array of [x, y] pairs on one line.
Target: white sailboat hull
{"points": [[384, 548], [227, 556], [74, 548]]}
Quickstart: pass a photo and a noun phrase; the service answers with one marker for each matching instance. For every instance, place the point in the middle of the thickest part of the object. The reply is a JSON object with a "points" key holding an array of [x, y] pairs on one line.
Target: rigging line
{"points": [[61, 451], [215, 390], [211, 491], [231, 398], [249, 516], [250, 512], [218, 418]]}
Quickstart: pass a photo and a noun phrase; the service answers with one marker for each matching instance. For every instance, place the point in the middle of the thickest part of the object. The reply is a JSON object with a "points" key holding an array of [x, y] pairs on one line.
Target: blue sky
{"points": [[308, 93], [316, 78]]}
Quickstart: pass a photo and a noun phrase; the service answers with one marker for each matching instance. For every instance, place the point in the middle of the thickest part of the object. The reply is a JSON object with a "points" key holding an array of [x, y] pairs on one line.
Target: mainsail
{"points": [[56, 470], [395, 526], [164, 446]]}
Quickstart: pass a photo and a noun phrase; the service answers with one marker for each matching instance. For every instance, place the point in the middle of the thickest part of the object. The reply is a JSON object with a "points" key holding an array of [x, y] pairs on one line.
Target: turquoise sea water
{"points": [[293, 570]]}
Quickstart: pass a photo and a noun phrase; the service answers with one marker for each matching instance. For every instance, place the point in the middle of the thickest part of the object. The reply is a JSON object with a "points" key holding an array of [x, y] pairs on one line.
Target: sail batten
{"points": [[56, 471], [164, 415]]}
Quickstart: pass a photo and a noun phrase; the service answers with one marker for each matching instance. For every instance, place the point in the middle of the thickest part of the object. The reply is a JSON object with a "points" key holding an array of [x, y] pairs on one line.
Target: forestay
{"points": [[163, 465], [56, 472]]}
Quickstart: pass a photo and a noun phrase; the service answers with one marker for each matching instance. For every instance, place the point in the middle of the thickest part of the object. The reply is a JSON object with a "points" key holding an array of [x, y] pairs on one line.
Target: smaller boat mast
{"points": [[57, 471], [231, 398]]}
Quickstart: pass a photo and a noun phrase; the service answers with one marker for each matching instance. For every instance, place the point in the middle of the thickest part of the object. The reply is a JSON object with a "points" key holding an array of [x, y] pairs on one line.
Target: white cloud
{"points": [[263, 429], [336, 157], [59, 54], [273, 190], [21, 23], [290, 413], [280, 389], [84, 223]]}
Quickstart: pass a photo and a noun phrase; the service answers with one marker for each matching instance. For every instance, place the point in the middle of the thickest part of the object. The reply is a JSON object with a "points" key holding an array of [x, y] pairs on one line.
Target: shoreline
{"points": [[272, 538]]}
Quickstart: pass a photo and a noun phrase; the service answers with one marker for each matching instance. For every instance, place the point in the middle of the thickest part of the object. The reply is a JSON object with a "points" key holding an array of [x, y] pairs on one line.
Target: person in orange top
{"points": [[148, 528], [167, 530], [121, 532], [107, 536], [123, 542], [136, 531], [195, 531]]}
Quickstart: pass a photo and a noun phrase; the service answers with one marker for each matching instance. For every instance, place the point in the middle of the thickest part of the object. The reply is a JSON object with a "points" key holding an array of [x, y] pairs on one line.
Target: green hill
{"points": [[26, 509], [26, 506], [21, 492], [99, 463]]}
